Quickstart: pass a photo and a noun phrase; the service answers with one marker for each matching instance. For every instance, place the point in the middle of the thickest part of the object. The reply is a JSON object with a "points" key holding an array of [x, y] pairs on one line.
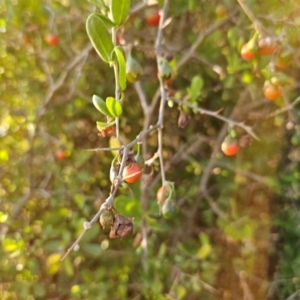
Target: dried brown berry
{"points": [[184, 119], [121, 227]]}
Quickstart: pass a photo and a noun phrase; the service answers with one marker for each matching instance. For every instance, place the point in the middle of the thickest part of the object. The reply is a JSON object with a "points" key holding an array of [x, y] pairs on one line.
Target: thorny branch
{"points": [[285, 108], [217, 115], [106, 205], [201, 38], [148, 110], [109, 201]]}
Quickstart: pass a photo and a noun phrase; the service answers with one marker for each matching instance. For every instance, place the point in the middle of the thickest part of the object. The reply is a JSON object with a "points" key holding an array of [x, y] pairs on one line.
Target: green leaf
{"points": [[194, 90], [107, 22], [204, 251], [119, 10], [100, 104], [114, 106], [99, 36], [53, 263], [102, 125], [122, 67], [92, 249], [128, 206]]}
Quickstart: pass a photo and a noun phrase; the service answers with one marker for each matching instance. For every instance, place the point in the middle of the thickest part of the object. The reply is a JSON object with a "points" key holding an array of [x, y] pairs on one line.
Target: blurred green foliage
{"points": [[236, 230]]}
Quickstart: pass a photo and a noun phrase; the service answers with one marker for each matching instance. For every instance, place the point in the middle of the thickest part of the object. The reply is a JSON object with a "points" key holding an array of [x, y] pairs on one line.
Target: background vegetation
{"points": [[236, 231]]}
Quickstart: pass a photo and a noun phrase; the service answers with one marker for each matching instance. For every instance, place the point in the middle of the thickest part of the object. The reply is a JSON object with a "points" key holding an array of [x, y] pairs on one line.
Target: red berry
{"points": [[266, 46], [230, 147], [61, 154], [153, 19], [247, 53], [52, 39], [272, 92], [132, 173]]}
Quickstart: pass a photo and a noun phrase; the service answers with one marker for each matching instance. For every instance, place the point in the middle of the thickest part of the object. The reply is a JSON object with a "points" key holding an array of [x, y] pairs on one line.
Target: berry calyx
{"points": [[133, 69], [165, 71], [168, 209], [162, 194]]}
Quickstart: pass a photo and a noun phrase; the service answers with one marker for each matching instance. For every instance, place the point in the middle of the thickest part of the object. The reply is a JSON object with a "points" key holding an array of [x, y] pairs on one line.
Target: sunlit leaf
{"points": [[3, 217], [2, 25], [4, 155], [53, 263], [121, 67], [204, 238], [102, 125], [128, 206], [204, 251], [100, 104], [75, 289], [180, 291], [119, 10], [99, 36], [195, 89], [107, 22], [114, 106], [10, 245]]}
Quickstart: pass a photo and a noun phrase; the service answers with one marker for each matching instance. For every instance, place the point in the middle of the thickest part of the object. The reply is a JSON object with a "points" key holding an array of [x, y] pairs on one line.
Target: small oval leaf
{"points": [[102, 125], [119, 10], [99, 36], [100, 104], [114, 106], [122, 67]]}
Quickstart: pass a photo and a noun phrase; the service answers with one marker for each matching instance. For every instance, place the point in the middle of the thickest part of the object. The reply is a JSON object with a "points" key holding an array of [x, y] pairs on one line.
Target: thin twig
{"points": [[184, 150], [245, 173], [142, 96], [285, 108], [207, 173], [256, 24], [204, 284], [104, 149], [216, 114], [201, 38], [106, 205], [163, 94], [119, 179]]}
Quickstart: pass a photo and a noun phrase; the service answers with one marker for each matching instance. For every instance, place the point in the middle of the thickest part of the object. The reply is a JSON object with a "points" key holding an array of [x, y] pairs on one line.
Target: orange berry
{"points": [[272, 92], [52, 39], [132, 173], [247, 53]]}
